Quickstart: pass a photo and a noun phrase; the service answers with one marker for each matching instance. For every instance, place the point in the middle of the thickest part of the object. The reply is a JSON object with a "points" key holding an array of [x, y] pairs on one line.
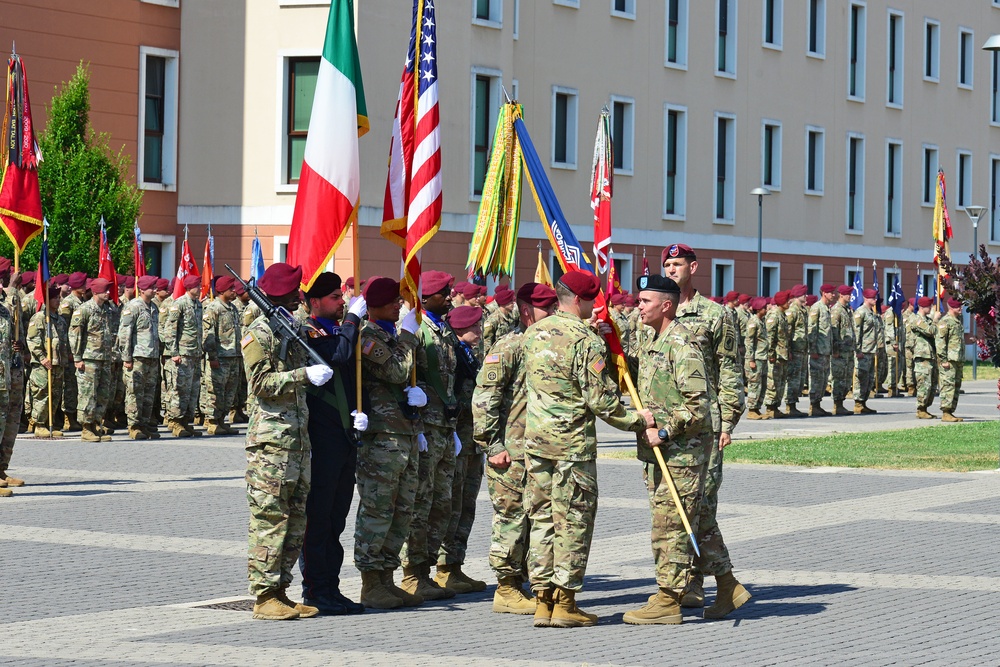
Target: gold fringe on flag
{"points": [[542, 275]]}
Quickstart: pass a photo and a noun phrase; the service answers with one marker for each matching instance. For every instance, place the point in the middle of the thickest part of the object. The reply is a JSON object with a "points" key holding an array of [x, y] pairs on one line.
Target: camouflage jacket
{"points": [[950, 340], [842, 324], [866, 330], [893, 333], [909, 337], [499, 401], [796, 318], [756, 341], [436, 366], [37, 339], [182, 334], [164, 310], [924, 333], [6, 330], [567, 386], [68, 306], [498, 325], [464, 388], [821, 333], [221, 330], [90, 334], [386, 366], [776, 327], [29, 305], [279, 415], [139, 331], [12, 300], [250, 313], [740, 322], [673, 386], [116, 320]]}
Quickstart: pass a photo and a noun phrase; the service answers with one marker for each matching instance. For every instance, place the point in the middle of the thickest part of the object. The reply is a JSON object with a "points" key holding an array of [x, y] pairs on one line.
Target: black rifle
{"points": [[281, 321]]}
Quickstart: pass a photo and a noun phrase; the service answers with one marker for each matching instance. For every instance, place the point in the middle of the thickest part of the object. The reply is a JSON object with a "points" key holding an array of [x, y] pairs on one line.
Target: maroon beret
{"points": [[350, 282], [100, 285], [280, 279], [537, 294], [870, 294], [464, 316], [470, 291], [631, 301], [5, 265], [581, 283], [677, 250], [28, 277], [954, 303], [381, 292], [59, 279], [77, 280], [827, 288], [224, 283], [845, 289], [799, 290], [912, 302], [617, 299], [925, 301], [745, 298], [482, 290], [732, 295], [191, 281], [811, 299], [433, 282], [162, 284], [781, 298], [146, 282], [240, 290], [129, 281], [758, 302], [119, 278], [715, 299], [504, 296], [885, 307]]}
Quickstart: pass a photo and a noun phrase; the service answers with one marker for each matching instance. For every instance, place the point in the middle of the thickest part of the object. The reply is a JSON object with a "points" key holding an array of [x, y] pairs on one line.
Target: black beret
{"points": [[325, 284], [657, 283]]}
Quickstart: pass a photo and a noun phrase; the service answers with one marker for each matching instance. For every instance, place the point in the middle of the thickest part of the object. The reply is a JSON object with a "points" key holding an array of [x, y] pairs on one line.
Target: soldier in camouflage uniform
{"points": [[115, 415], [924, 358], [950, 347], [389, 457], [221, 333], [7, 342], [164, 297], [842, 358], [707, 325], [798, 354], [498, 407], [139, 343], [567, 386], [822, 337], [42, 362], [756, 358], [239, 415], [182, 339], [277, 451], [866, 336], [778, 344], [909, 338], [893, 347], [76, 282], [502, 321], [881, 358], [91, 340]]}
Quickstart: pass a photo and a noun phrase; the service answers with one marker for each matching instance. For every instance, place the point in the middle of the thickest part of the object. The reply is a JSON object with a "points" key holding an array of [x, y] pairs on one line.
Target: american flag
{"points": [[413, 201]]}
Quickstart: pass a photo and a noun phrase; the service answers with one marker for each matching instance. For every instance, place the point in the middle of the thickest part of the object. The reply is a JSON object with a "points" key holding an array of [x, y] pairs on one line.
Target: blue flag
{"points": [[256, 259], [896, 298], [920, 286], [857, 298]]}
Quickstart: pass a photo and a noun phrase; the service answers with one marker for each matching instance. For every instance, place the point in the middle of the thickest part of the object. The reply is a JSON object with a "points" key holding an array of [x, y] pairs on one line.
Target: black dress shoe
{"points": [[348, 604], [327, 605]]}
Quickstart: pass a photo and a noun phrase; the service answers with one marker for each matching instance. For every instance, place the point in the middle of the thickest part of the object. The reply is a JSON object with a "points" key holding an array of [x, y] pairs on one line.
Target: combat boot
{"points": [[510, 599], [29, 428], [663, 608], [239, 417], [476, 585], [91, 433], [858, 407], [305, 611], [693, 596], [374, 594], [447, 577], [190, 429], [792, 410], [923, 414], [816, 410], [42, 432], [178, 429], [865, 410], [5, 492], [565, 613], [947, 416], [222, 428], [429, 589], [137, 434], [543, 608], [753, 414], [729, 596], [839, 410], [269, 607], [107, 427], [912, 391], [211, 428], [71, 424], [10, 481], [151, 432], [408, 599]]}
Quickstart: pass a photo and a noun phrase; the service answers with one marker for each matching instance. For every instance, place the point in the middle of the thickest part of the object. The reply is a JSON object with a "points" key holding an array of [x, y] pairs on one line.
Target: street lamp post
{"points": [[761, 193], [975, 213]]}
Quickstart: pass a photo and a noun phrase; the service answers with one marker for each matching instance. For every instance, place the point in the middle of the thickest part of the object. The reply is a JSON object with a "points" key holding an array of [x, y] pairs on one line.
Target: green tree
{"points": [[81, 180]]}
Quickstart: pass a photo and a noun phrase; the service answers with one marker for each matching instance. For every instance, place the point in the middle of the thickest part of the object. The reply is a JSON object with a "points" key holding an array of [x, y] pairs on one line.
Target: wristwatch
{"points": [[663, 435]]}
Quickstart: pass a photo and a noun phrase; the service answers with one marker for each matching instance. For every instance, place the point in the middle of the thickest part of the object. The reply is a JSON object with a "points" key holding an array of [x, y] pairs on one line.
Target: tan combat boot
{"points": [[42, 432], [839, 410], [270, 607], [923, 414], [729, 596], [305, 611], [663, 608], [374, 594], [693, 596], [857, 407], [510, 599], [137, 434], [90, 435], [7, 480], [178, 428], [428, 588], [71, 424], [543, 608], [5, 492], [946, 416], [446, 577], [865, 410], [408, 599], [912, 391], [477, 585], [753, 414], [151, 432], [816, 410], [565, 613], [792, 410]]}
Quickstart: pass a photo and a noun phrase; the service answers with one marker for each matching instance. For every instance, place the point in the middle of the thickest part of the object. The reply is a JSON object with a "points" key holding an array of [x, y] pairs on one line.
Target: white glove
{"points": [[319, 374], [360, 421], [458, 443], [410, 322], [358, 307], [421, 442], [415, 397]]}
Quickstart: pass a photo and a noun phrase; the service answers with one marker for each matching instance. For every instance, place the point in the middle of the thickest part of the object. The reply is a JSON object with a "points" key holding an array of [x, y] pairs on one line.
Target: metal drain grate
{"points": [[230, 605]]}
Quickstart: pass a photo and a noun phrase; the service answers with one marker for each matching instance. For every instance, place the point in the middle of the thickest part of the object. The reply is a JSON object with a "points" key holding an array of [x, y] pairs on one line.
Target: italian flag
{"points": [[327, 199]]}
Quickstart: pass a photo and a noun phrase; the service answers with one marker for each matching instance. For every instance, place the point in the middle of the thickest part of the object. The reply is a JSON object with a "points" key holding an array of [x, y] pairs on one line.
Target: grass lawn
{"points": [[953, 447], [984, 371]]}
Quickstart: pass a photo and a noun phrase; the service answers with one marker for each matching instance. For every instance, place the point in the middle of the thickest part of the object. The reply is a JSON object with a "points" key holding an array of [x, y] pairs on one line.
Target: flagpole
{"points": [[357, 287], [48, 326]]}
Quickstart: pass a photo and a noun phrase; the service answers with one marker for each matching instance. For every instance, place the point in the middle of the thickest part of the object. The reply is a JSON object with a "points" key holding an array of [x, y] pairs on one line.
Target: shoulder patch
{"points": [[366, 349], [247, 340], [492, 359], [597, 366]]}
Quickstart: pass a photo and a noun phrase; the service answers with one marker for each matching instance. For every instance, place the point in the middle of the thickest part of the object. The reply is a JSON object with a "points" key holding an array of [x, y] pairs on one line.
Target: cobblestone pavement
{"points": [[111, 546]]}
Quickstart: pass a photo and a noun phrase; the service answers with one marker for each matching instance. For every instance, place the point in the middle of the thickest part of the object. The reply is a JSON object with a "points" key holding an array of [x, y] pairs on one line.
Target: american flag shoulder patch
{"points": [[367, 348], [597, 366], [492, 359], [246, 340]]}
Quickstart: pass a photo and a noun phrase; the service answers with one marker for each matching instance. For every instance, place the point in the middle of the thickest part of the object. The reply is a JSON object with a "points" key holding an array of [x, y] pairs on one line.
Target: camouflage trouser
{"points": [[923, 373], [432, 507], [881, 366], [219, 393], [776, 376], [182, 381], [94, 384], [387, 487], [140, 383], [561, 498], [795, 376], [5, 452], [672, 550], [15, 405], [893, 373], [819, 371], [117, 395], [911, 376], [950, 380], [277, 488], [38, 391], [69, 397], [464, 492], [864, 376], [509, 540], [756, 384], [841, 373], [240, 403], [164, 389], [714, 554]]}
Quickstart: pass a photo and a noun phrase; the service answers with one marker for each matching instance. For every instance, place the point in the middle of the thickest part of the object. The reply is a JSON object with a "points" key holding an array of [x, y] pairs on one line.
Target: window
{"points": [[995, 98], [816, 45], [485, 104], [856, 49], [815, 153], [675, 163], [994, 199], [855, 183], [963, 173], [770, 278], [965, 58], [158, 250], [930, 167], [770, 154], [928, 280], [564, 134], [850, 274], [517, 19], [932, 50], [152, 254], [722, 276], [623, 271], [812, 277], [726, 21], [893, 188], [487, 13], [574, 4], [165, 3], [677, 34], [894, 61], [280, 249], [725, 167], [623, 133], [774, 11], [157, 160], [302, 74], [624, 9]]}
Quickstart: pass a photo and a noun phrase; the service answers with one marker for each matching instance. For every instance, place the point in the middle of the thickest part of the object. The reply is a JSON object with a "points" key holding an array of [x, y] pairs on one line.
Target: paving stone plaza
{"points": [[112, 552]]}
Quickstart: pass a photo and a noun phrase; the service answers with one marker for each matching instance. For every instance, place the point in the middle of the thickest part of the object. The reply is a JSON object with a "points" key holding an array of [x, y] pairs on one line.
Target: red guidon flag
{"points": [[327, 198], [600, 193], [20, 196], [208, 266], [106, 265], [185, 268]]}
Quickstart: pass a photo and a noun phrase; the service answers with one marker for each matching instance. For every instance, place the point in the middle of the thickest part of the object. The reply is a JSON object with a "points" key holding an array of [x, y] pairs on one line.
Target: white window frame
{"points": [[628, 13], [993, 187], [572, 125], [777, 276], [683, 21], [168, 247], [680, 180], [495, 21], [894, 211], [927, 279], [963, 187], [932, 48], [164, 3], [900, 77], [729, 279], [928, 178], [859, 192], [806, 268], [279, 249], [572, 4], [970, 58], [624, 274], [281, 130], [775, 185], [820, 160], [778, 28], [820, 29], [514, 89], [860, 78], [496, 80], [729, 194], [628, 134], [516, 28], [889, 276], [171, 92], [732, 46]]}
